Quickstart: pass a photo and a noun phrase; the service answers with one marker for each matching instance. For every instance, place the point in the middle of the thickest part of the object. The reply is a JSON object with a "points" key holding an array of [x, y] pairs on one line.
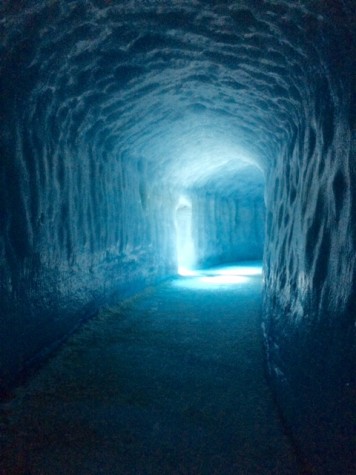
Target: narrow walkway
{"points": [[170, 382]]}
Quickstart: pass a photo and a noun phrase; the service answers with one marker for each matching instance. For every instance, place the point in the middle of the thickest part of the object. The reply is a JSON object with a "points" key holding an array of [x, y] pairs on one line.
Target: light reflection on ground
{"points": [[219, 276]]}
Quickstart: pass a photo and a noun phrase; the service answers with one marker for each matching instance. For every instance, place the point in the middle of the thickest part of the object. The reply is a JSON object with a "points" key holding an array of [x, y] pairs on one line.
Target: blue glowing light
{"points": [[218, 276], [186, 272], [224, 279], [185, 245]]}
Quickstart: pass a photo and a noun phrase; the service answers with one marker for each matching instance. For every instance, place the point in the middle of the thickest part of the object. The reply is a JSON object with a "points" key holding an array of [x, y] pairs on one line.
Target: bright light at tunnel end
{"points": [[219, 276], [186, 272], [224, 279]]}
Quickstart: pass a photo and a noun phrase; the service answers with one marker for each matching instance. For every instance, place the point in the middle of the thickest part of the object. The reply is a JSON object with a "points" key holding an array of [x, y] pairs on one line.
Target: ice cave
{"points": [[145, 144]]}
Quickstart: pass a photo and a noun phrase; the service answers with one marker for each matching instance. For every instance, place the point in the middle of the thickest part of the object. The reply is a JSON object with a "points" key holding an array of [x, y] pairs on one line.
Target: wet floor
{"points": [[169, 382]]}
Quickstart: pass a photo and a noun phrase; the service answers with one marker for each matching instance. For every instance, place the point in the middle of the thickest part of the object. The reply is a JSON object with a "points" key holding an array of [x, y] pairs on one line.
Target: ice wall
{"points": [[112, 110], [310, 290], [230, 226], [310, 275], [79, 227]]}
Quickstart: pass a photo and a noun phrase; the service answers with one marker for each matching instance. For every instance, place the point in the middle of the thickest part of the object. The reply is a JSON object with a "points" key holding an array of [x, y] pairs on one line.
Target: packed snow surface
{"points": [[171, 381]]}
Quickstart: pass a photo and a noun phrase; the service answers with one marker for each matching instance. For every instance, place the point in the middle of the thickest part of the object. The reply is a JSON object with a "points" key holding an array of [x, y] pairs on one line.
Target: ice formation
{"points": [[110, 111]]}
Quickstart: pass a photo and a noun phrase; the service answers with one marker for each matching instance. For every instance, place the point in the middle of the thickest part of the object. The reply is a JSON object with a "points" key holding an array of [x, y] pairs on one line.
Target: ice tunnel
{"points": [[111, 111]]}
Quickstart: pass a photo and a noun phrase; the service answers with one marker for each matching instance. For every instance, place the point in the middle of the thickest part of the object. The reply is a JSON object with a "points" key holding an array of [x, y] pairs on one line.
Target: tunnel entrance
{"points": [[185, 245]]}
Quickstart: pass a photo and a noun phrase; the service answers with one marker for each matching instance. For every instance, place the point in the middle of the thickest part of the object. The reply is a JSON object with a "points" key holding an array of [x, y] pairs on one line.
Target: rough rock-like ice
{"points": [[110, 111]]}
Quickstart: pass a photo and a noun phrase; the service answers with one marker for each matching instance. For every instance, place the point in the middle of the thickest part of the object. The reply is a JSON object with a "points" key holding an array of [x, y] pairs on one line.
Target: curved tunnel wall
{"points": [[230, 227], [310, 294], [111, 110]]}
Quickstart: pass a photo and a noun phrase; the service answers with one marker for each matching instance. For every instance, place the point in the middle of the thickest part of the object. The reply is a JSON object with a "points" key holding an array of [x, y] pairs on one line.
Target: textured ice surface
{"points": [[169, 382], [230, 226], [111, 110]]}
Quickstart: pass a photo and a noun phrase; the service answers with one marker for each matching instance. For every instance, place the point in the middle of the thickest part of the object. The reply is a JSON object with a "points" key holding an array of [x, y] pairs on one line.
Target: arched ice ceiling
{"points": [[196, 90]]}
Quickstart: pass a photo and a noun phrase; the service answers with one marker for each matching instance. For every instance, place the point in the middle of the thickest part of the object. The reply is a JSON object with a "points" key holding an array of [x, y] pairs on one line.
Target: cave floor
{"points": [[168, 382]]}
